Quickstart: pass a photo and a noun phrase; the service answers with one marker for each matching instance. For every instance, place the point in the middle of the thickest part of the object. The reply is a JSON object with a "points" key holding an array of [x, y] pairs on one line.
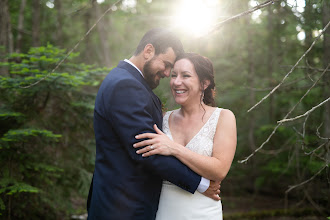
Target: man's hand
{"points": [[213, 191]]}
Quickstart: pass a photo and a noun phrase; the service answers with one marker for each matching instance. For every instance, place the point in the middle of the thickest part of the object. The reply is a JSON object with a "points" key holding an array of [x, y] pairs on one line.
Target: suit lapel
{"points": [[132, 70]]}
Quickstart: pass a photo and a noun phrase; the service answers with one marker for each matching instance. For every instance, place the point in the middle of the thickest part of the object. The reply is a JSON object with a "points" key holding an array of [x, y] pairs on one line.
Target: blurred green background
{"points": [[47, 146]]}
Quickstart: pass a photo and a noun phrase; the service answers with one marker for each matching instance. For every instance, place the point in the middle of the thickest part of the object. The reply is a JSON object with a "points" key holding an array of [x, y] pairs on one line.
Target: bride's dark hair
{"points": [[204, 69]]}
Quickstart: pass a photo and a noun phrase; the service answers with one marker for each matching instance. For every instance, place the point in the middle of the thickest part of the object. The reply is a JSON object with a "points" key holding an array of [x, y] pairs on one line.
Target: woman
{"points": [[200, 135]]}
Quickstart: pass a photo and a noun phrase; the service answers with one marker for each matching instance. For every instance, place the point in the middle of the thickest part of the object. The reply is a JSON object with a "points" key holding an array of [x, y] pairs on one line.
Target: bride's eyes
{"points": [[174, 75]]}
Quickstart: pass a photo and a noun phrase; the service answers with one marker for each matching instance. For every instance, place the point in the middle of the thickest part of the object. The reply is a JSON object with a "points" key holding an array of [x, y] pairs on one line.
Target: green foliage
{"points": [[2, 206], [23, 135], [250, 56], [10, 187], [43, 131], [6, 115]]}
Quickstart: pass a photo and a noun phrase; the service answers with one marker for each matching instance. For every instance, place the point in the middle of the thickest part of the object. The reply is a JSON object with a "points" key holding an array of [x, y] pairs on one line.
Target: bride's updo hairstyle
{"points": [[204, 69]]}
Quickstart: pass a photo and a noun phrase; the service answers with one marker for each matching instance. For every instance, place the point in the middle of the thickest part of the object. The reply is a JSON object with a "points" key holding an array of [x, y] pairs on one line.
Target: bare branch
{"points": [[287, 75], [76, 11], [316, 149], [305, 67], [290, 161], [276, 152], [303, 133], [279, 124], [306, 113], [308, 72], [309, 198], [68, 54], [306, 181], [298, 132], [220, 24], [283, 86], [304, 126], [261, 146], [319, 135]]}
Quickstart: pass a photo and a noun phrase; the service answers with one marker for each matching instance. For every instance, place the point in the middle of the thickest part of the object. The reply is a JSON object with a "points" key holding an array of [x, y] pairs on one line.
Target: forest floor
{"points": [[257, 208], [266, 208]]}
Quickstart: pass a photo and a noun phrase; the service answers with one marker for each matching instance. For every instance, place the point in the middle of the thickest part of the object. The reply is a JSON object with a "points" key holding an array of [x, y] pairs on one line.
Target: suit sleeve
{"points": [[128, 108]]}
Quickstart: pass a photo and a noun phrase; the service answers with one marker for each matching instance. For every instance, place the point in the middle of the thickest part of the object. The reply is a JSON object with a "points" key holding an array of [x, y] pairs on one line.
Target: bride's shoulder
{"points": [[167, 113], [210, 110], [226, 111], [227, 115]]}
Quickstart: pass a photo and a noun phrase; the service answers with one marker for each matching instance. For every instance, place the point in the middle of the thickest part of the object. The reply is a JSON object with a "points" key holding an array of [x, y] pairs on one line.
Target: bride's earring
{"points": [[202, 96]]}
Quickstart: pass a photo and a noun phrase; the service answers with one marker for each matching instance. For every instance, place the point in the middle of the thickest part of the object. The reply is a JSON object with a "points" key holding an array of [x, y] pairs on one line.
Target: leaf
{"points": [[20, 135], [21, 187], [5, 115], [11, 186], [43, 167]]}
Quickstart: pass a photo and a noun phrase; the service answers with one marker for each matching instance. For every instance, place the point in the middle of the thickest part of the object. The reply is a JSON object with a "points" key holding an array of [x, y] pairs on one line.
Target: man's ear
{"points": [[148, 52], [206, 84]]}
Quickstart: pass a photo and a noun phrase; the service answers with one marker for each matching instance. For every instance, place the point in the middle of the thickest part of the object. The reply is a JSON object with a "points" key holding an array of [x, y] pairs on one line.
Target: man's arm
{"points": [[129, 109]]}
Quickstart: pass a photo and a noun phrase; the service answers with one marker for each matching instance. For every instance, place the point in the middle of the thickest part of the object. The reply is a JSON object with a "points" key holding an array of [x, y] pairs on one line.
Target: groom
{"points": [[125, 185]]}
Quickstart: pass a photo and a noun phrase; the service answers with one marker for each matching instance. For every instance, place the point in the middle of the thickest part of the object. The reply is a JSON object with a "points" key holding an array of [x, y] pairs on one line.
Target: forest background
{"points": [[278, 54]]}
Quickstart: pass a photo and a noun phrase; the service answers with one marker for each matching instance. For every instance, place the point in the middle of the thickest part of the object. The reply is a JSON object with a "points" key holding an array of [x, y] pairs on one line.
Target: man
{"points": [[125, 185]]}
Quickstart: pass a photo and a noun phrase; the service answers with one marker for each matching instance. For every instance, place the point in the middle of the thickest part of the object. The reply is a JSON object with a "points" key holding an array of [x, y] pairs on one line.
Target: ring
{"points": [[151, 147]]}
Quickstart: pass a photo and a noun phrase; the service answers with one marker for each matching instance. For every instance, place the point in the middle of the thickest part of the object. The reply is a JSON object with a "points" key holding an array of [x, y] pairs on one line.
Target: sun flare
{"points": [[195, 16]]}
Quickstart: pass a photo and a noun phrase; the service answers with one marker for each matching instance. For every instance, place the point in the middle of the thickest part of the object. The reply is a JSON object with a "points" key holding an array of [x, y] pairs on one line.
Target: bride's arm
{"points": [[215, 167]]}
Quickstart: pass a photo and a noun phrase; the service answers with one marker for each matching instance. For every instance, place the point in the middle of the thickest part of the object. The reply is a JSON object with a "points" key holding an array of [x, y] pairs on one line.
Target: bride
{"points": [[200, 135]]}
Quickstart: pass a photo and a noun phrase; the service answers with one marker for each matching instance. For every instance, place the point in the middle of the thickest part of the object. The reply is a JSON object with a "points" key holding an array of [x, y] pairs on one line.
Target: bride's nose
{"points": [[177, 81]]}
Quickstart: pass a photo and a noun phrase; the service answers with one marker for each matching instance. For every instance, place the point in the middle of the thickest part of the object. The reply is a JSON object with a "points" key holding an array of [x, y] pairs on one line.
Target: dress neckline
{"points": [[170, 133]]}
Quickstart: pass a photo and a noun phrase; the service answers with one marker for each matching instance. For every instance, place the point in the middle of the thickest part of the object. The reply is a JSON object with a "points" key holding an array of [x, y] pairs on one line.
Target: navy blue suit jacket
{"points": [[125, 185]]}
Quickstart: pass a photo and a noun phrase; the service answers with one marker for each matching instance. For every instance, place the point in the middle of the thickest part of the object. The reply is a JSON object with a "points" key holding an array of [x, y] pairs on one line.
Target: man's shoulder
{"points": [[119, 73], [121, 79], [119, 76]]}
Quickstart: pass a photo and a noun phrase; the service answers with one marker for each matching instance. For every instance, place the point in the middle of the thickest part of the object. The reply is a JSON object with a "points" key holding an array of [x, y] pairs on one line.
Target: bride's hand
{"points": [[157, 143]]}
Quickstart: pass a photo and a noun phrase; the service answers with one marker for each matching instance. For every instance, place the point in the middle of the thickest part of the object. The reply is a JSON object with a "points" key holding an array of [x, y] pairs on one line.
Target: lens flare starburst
{"points": [[195, 16]]}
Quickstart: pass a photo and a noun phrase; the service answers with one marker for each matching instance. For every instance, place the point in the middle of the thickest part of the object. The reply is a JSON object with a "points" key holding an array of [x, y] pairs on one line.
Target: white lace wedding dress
{"points": [[178, 204]]}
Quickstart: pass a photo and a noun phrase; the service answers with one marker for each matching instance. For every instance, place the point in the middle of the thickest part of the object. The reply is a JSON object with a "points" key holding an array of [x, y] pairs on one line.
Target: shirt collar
{"points": [[127, 61]]}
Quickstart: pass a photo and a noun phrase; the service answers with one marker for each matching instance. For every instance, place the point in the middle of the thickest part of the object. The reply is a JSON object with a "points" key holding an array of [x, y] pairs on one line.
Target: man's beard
{"points": [[149, 76]]}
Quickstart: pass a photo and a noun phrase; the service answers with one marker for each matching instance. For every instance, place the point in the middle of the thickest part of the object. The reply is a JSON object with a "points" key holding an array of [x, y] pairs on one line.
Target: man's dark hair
{"points": [[161, 39]]}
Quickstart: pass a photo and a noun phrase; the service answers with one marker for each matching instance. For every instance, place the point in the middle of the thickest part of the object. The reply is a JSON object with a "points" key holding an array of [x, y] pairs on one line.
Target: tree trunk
{"points": [[326, 60], [270, 60], [4, 20], [59, 22], [6, 36], [102, 28], [308, 17], [36, 23], [88, 47], [20, 27], [251, 84]]}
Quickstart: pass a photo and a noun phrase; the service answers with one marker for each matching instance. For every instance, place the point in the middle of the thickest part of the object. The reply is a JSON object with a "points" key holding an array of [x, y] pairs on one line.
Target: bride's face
{"points": [[185, 84]]}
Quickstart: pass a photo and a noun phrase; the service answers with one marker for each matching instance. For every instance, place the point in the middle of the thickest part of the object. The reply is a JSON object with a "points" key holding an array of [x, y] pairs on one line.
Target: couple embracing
{"points": [[151, 165]]}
